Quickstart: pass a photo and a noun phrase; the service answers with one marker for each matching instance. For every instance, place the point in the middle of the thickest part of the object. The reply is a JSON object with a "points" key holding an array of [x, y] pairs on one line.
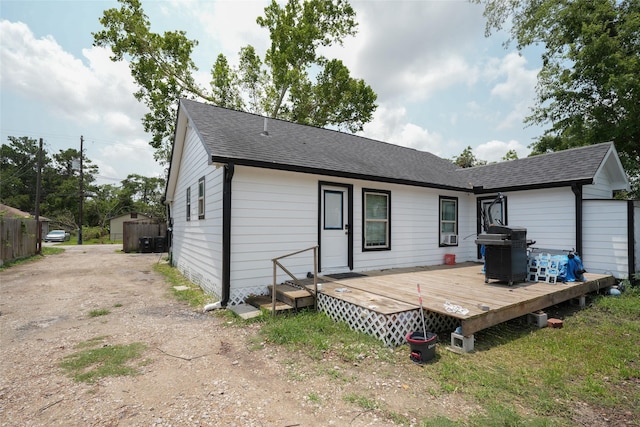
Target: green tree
{"points": [[467, 159], [588, 88], [510, 155], [103, 203], [278, 86], [19, 171], [61, 189], [144, 194], [225, 85]]}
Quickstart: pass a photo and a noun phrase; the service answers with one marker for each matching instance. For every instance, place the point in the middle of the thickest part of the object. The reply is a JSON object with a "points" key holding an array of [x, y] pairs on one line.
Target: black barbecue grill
{"points": [[505, 253], [505, 250]]}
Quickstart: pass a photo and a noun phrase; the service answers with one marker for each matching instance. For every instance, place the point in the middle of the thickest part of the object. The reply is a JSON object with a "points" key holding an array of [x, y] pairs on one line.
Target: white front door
{"points": [[334, 228]]}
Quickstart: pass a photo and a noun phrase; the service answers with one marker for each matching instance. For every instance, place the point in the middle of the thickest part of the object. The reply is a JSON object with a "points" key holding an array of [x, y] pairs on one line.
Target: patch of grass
{"points": [[117, 305], [362, 401], [314, 398], [192, 294], [315, 334], [46, 250], [97, 360], [593, 359], [99, 312], [93, 342], [494, 416]]}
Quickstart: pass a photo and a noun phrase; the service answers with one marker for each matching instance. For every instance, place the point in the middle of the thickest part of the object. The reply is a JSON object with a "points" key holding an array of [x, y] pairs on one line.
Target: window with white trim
{"points": [[376, 216], [201, 198], [448, 221], [188, 203]]}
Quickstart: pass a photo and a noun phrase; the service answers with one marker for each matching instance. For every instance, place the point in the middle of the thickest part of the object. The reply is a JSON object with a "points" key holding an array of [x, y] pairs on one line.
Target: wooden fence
{"points": [[17, 238], [153, 233]]}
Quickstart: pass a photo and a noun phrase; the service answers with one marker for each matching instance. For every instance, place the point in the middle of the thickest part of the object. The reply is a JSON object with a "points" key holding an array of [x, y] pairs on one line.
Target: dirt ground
{"points": [[200, 371]]}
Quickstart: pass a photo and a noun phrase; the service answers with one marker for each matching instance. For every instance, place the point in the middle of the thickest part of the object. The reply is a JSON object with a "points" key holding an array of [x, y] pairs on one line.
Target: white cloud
{"points": [[494, 151], [95, 99], [40, 69], [518, 89], [411, 50], [391, 125]]}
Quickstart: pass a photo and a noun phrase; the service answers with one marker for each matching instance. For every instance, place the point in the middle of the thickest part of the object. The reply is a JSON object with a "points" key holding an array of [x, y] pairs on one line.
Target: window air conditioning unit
{"points": [[450, 239]]}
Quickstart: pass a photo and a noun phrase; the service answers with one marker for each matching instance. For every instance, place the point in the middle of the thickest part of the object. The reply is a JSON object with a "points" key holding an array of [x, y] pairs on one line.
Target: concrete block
{"points": [[581, 301], [460, 342], [538, 318]]}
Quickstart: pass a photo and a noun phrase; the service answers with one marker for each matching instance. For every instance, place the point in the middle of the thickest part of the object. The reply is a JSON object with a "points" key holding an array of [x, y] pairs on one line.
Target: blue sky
{"points": [[441, 85]]}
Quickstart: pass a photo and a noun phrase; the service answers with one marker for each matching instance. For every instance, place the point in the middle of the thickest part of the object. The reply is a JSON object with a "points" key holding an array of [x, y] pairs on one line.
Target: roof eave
{"points": [[328, 172], [538, 186]]}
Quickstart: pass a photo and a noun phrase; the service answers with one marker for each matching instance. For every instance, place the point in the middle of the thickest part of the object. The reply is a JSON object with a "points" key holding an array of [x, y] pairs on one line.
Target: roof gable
{"points": [[577, 165]]}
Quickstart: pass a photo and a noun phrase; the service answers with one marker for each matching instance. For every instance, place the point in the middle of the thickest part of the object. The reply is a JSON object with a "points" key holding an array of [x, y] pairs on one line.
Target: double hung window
{"points": [[377, 219]]}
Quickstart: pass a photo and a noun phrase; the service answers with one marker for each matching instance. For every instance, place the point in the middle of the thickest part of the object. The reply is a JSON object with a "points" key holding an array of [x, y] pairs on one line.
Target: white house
{"points": [[243, 190]]}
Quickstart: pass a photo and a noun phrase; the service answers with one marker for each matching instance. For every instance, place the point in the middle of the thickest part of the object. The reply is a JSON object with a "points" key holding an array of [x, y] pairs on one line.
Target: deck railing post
{"points": [[273, 290], [315, 278], [276, 264]]}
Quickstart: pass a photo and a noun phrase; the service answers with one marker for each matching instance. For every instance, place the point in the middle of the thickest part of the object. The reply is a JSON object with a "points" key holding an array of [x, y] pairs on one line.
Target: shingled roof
{"points": [[561, 168], [234, 136], [239, 137]]}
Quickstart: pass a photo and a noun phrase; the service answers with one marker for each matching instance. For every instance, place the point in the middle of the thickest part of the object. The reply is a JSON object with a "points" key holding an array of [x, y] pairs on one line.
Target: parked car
{"points": [[57, 236]]}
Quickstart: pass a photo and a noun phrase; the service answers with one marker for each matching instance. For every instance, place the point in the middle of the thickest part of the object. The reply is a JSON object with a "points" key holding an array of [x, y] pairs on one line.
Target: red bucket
{"points": [[450, 259]]}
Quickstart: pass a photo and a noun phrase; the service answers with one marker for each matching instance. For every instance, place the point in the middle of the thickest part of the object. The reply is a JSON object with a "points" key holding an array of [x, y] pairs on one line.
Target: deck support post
{"points": [[538, 318], [581, 301], [462, 343]]}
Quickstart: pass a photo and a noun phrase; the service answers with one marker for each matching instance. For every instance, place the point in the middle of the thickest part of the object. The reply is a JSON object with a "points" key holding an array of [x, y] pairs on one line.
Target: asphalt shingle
{"points": [[230, 135]]}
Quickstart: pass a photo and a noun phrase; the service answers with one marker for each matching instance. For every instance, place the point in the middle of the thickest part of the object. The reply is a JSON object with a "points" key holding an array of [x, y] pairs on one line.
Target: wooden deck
{"points": [[458, 292]]}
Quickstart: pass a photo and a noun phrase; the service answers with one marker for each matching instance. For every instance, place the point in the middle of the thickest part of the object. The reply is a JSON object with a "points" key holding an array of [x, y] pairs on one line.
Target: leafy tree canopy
{"points": [[467, 159], [588, 88], [60, 187], [279, 85]]}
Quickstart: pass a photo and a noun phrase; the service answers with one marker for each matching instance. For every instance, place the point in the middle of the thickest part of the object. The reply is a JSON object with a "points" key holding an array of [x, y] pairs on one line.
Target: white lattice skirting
{"points": [[391, 329]]}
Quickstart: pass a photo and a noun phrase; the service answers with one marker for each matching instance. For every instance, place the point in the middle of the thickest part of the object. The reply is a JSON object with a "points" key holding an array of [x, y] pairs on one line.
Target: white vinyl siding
{"points": [[548, 215], [197, 245], [276, 213], [605, 244]]}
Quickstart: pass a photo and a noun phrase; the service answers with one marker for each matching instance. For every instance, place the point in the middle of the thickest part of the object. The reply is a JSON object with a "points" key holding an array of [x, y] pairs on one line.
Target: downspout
{"points": [[169, 236], [631, 232], [226, 234], [577, 190]]}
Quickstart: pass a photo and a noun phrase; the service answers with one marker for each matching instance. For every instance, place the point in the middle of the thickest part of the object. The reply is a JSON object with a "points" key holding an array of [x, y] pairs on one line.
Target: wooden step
{"points": [[264, 302], [295, 297]]}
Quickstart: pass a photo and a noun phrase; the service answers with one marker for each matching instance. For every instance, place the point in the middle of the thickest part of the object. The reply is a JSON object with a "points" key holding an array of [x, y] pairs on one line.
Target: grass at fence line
{"points": [[46, 250], [183, 289]]}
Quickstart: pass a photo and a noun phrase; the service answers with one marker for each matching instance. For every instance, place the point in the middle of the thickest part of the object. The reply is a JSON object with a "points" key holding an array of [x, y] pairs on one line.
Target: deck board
{"points": [[463, 285]]}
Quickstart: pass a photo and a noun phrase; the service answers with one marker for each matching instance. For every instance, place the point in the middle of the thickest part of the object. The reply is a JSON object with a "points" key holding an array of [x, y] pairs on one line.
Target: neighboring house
{"points": [[115, 223], [243, 190], [10, 212]]}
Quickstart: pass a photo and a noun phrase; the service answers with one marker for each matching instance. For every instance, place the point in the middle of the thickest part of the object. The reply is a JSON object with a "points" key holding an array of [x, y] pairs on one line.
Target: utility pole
{"points": [[38, 184], [81, 193]]}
